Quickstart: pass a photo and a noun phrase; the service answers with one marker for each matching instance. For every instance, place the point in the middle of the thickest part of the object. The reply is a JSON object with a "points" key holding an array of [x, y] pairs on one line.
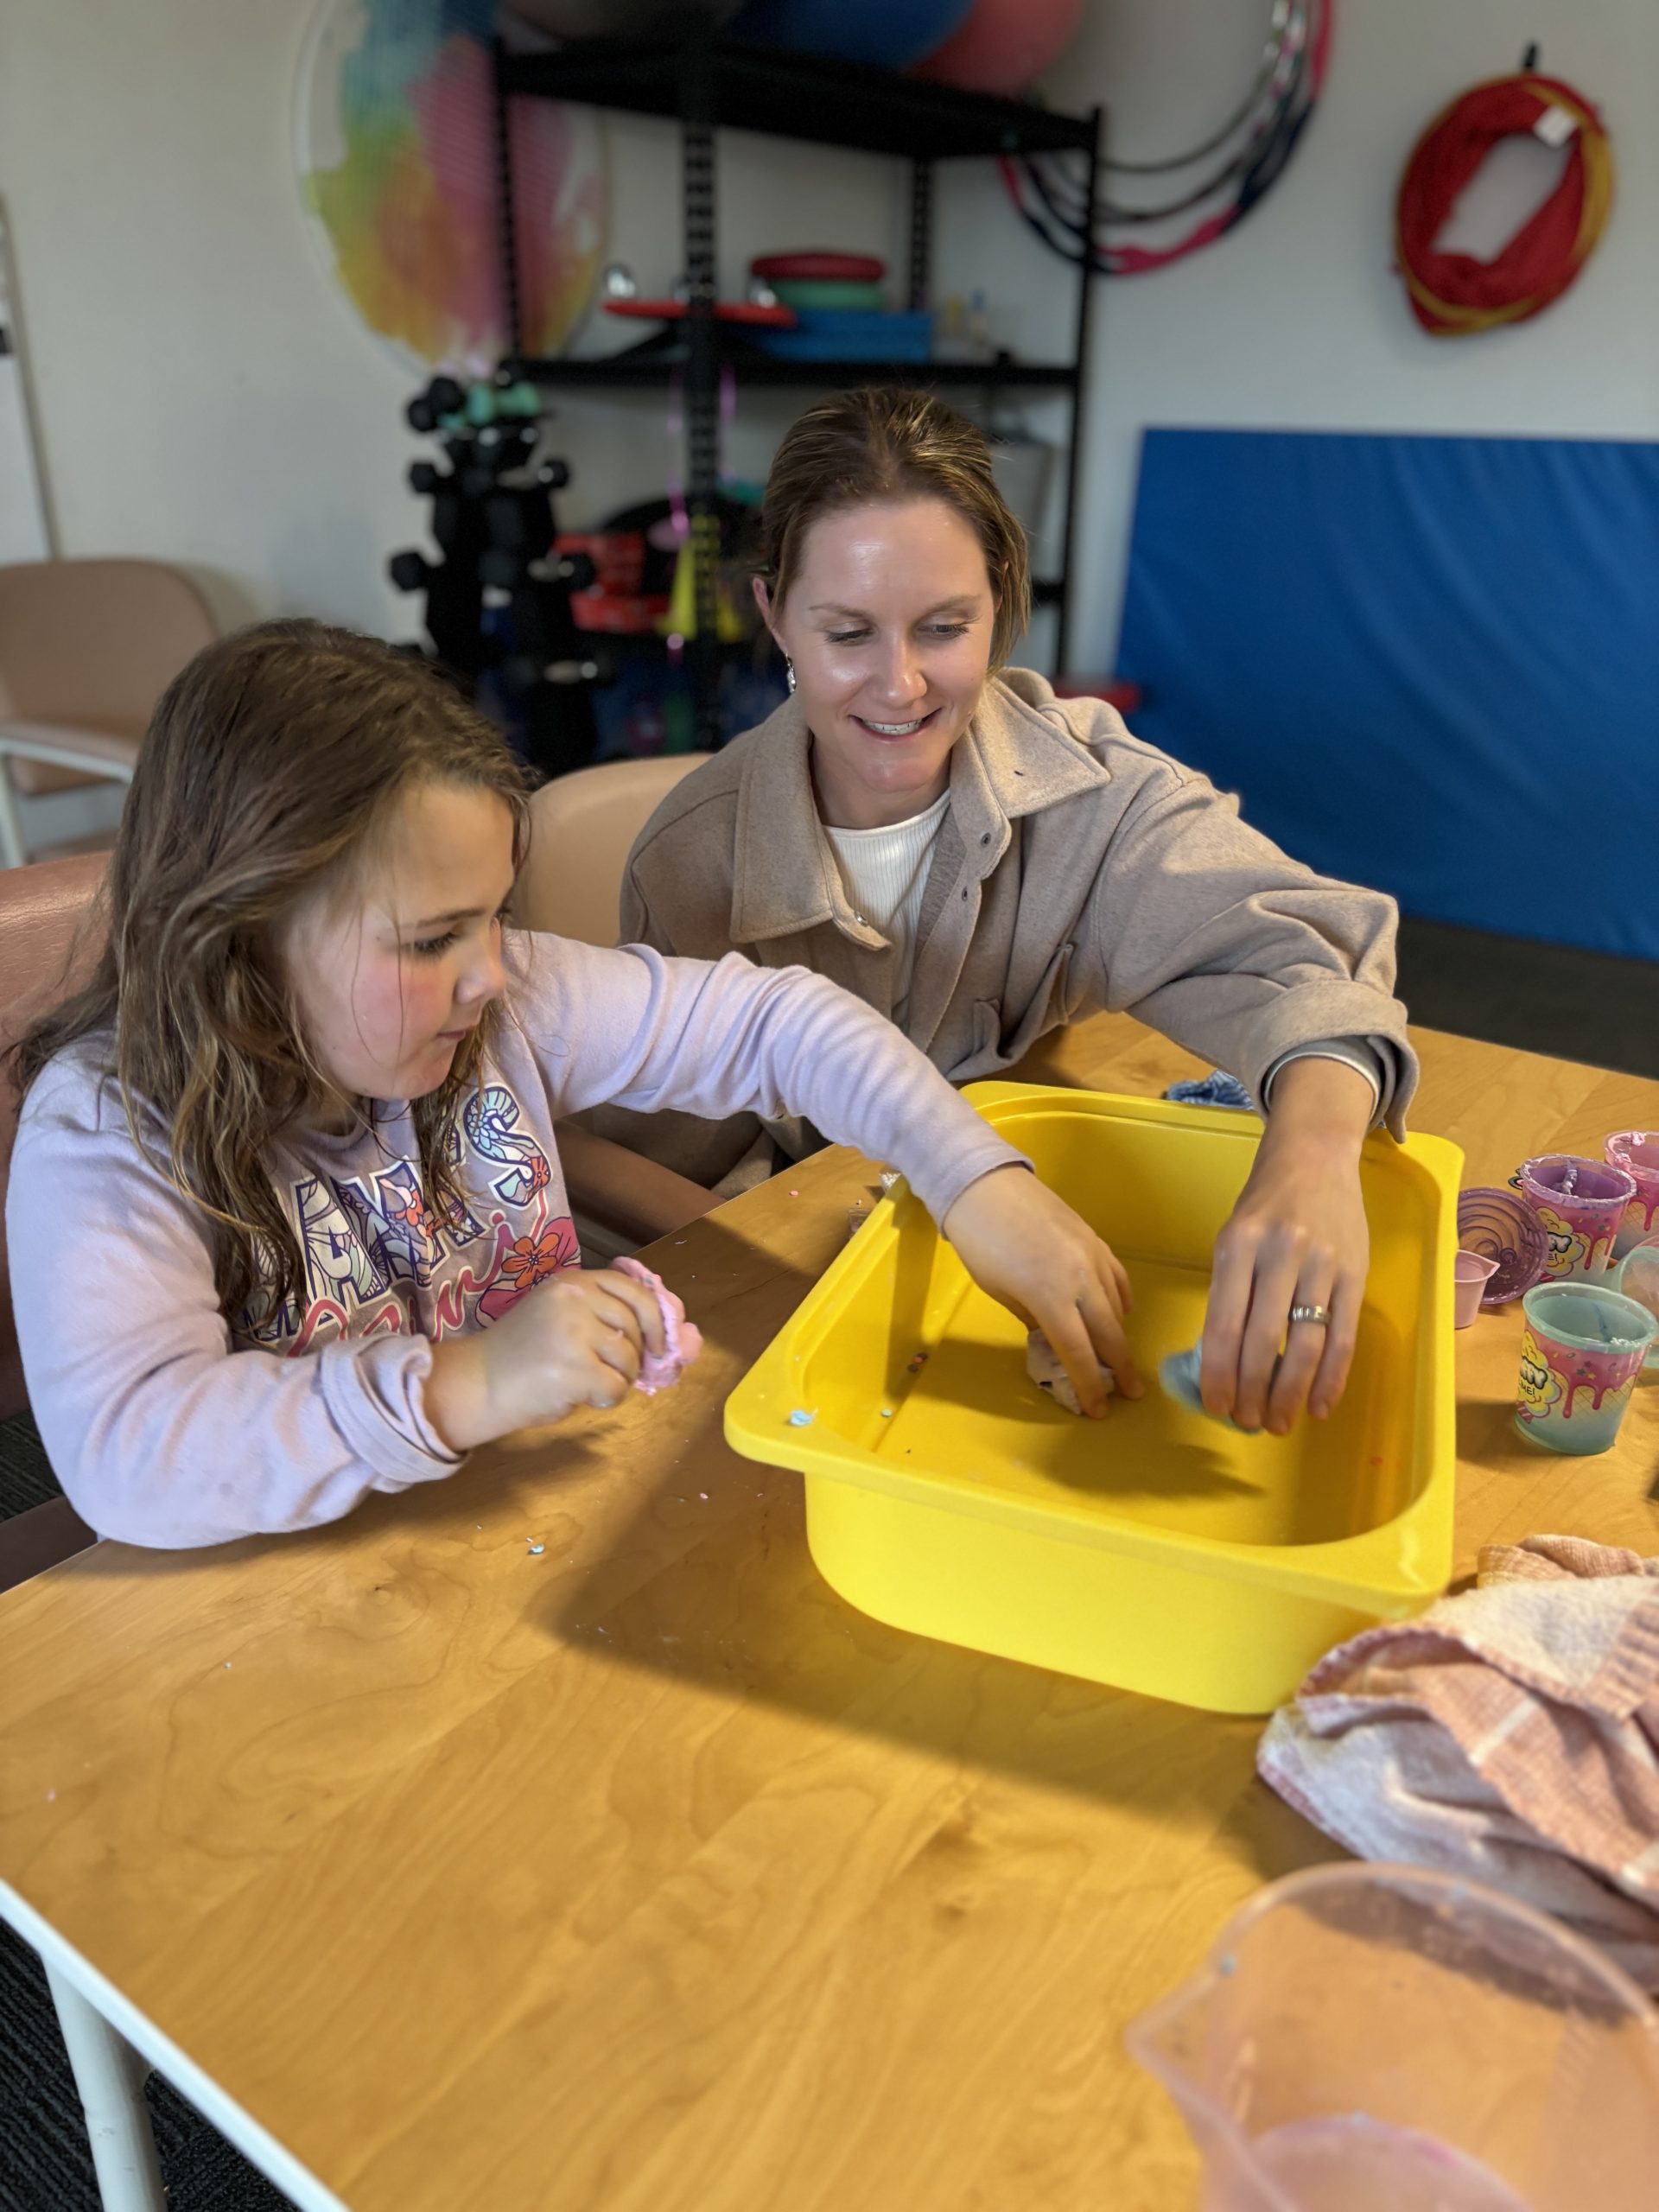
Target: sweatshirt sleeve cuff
{"points": [[376, 1393], [1372, 1056], [978, 1155]]}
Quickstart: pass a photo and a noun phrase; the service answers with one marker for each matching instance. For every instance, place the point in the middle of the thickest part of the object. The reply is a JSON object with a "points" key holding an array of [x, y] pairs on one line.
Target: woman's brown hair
{"points": [[877, 445], [270, 769]]}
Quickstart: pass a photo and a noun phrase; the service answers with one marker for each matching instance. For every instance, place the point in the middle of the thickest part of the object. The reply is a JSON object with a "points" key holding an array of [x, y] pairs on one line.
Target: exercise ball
{"points": [[887, 34], [620, 18], [1004, 45]]}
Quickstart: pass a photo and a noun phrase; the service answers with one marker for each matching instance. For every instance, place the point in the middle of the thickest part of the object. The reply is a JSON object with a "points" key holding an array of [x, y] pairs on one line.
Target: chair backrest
{"points": [[581, 828], [93, 644], [42, 960]]}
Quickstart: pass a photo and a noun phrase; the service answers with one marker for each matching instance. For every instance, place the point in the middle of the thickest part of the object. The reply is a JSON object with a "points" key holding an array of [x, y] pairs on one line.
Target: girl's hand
{"points": [[1297, 1236], [1034, 1256], [574, 1340]]}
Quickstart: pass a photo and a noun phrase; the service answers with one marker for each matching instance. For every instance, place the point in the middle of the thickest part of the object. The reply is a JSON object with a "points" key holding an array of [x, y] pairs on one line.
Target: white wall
{"points": [[208, 396], [1297, 319]]}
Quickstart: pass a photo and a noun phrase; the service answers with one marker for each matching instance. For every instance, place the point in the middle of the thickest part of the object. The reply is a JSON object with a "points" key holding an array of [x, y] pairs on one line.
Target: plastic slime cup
{"points": [[1638, 1276], [1581, 1351], [1470, 1273], [1381, 2039], [1581, 1203], [1636, 1150]]}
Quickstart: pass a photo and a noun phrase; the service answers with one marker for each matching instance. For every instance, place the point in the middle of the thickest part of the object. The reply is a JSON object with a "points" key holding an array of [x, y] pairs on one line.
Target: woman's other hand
{"points": [[1029, 1250], [1297, 1236]]}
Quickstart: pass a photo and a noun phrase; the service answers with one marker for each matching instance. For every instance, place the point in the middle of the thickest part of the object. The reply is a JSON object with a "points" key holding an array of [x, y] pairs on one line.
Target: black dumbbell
{"points": [[575, 570], [554, 474], [424, 479], [411, 571], [443, 396]]}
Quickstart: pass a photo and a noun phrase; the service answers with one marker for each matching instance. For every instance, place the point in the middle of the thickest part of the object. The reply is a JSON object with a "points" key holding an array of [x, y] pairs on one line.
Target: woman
{"points": [[982, 862]]}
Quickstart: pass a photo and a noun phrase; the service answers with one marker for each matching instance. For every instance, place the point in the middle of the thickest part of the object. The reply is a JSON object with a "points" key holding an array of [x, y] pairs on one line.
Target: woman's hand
{"points": [[1034, 1256], [1297, 1236], [574, 1340]]}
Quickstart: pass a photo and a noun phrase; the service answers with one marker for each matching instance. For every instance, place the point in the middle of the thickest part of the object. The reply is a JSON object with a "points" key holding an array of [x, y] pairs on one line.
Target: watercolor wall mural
{"points": [[395, 150]]}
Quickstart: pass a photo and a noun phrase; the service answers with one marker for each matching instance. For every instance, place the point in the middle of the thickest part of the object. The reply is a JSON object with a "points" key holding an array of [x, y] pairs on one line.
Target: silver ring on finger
{"points": [[1318, 1315]]}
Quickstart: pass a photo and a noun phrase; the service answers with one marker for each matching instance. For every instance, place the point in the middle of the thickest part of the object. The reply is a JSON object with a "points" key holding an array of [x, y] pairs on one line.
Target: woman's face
{"points": [[887, 620], [391, 976]]}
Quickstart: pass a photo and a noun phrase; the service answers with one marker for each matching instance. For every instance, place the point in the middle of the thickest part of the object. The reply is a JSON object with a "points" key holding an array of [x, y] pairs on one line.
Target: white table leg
{"points": [[110, 2076]]}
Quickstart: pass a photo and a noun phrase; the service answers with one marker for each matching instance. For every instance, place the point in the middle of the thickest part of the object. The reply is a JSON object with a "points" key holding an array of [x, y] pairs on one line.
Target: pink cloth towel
{"points": [[682, 1339], [1510, 1733]]}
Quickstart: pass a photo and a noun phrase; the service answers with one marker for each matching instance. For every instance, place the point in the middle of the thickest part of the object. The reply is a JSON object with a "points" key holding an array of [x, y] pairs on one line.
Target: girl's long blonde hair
{"points": [[271, 765]]}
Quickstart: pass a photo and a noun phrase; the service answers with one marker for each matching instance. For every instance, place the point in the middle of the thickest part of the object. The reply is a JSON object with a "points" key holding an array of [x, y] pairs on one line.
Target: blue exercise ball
{"points": [[619, 18], [887, 34]]}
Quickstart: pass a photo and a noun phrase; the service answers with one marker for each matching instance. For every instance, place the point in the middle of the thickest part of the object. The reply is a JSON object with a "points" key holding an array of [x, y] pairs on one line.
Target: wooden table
{"points": [[640, 1872]]}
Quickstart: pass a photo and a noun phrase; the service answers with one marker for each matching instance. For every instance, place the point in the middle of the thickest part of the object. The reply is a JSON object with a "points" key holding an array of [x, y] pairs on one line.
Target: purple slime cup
{"points": [[1501, 1226]]}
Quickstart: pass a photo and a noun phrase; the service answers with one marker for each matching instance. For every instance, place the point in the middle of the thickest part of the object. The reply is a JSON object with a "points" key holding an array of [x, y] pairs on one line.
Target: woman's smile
{"points": [[889, 730]]}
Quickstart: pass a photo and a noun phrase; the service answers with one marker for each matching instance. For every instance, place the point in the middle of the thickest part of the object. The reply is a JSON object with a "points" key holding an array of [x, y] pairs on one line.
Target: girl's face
{"points": [[888, 623], [390, 976]]}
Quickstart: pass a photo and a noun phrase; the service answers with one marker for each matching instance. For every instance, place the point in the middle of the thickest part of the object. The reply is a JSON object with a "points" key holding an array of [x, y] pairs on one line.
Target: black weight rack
{"points": [[707, 83]]}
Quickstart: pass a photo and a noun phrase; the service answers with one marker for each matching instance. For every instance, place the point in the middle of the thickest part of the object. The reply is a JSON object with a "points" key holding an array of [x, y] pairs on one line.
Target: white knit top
{"points": [[884, 873]]}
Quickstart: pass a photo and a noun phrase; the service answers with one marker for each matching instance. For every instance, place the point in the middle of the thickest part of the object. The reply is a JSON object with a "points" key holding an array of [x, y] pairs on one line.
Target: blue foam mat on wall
{"points": [[1428, 663]]}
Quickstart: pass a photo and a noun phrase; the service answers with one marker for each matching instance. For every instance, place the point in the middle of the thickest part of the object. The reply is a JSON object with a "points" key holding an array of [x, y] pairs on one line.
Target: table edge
{"points": [[261, 2148]]}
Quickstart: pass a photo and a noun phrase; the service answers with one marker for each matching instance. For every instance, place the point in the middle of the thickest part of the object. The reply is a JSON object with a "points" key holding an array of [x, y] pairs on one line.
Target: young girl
{"points": [[286, 1218], [980, 862]]}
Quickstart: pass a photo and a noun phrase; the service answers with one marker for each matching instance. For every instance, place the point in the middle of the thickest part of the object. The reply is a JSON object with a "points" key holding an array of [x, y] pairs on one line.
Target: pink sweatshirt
{"points": [[169, 1427]]}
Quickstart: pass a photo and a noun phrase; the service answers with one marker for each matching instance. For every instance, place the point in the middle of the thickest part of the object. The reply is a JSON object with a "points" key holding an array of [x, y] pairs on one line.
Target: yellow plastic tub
{"points": [[1156, 1550]]}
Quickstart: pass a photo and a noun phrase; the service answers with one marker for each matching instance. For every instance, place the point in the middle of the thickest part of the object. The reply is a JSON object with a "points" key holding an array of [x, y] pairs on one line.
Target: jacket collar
{"points": [[1013, 760]]}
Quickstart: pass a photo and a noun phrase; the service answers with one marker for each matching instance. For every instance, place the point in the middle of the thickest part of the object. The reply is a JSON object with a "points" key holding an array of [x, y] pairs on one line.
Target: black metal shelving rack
{"points": [[708, 82]]}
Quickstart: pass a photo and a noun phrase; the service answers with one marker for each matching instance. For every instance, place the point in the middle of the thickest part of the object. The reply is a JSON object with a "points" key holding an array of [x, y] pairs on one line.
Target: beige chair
{"points": [[43, 953], [581, 830], [582, 827], [87, 648]]}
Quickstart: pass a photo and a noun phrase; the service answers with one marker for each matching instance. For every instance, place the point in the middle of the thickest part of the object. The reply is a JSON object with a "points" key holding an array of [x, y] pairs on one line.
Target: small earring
{"points": [[789, 672]]}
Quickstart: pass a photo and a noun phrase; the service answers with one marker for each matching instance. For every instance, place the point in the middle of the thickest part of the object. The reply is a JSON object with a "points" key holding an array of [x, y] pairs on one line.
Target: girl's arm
{"points": [[632, 1029], [158, 1432], [645, 1031]]}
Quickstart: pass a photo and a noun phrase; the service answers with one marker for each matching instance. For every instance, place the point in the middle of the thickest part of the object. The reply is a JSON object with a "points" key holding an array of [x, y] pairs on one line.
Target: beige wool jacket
{"points": [[1076, 869]]}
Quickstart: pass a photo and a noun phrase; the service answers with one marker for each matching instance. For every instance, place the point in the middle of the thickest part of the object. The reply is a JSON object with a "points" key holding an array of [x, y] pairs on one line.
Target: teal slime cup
{"points": [[1581, 1350]]}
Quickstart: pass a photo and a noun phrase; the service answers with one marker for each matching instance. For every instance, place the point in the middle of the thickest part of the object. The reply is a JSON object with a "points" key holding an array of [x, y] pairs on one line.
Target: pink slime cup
{"points": [[1581, 1203], [1470, 1273], [1636, 1150]]}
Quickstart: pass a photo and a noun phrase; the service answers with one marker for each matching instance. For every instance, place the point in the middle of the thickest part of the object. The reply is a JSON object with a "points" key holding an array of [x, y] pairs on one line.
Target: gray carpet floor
{"points": [[1579, 1006], [1545, 998]]}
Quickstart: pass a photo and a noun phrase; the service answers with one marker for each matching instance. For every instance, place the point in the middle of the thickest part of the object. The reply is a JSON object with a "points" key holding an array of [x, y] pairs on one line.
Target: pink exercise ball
{"points": [[1004, 46]]}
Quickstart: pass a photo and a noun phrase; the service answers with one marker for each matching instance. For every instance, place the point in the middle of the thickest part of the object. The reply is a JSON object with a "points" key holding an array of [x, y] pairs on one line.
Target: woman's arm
{"points": [[1297, 1237], [1202, 928]]}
